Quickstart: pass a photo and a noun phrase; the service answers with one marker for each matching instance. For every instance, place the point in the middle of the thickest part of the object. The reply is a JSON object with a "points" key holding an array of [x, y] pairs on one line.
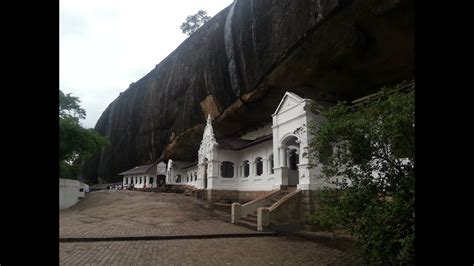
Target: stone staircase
{"points": [[190, 191], [250, 221]]}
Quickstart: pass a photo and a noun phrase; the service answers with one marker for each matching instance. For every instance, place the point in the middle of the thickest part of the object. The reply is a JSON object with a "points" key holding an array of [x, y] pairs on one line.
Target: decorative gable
{"points": [[161, 168], [288, 101]]}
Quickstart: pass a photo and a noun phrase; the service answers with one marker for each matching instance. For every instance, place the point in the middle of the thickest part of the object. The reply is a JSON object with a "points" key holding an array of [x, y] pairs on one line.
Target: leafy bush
{"points": [[368, 154]]}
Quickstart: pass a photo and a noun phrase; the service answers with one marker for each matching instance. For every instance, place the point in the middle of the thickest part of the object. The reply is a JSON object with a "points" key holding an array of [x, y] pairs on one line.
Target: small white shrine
{"points": [[145, 176]]}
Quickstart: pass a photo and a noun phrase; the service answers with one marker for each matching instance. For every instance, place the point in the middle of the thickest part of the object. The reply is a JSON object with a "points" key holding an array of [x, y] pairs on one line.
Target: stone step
{"points": [[247, 224], [254, 214], [275, 200], [250, 219]]}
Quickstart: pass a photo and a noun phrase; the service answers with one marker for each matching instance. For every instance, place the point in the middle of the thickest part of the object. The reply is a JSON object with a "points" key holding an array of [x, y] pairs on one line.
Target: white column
{"points": [[264, 166], [283, 156], [288, 158]]}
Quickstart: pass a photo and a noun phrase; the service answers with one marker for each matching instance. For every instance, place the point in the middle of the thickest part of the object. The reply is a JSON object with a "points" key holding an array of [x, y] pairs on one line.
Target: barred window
{"points": [[246, 168], [227, 169], [259, 166], [271, 164]]}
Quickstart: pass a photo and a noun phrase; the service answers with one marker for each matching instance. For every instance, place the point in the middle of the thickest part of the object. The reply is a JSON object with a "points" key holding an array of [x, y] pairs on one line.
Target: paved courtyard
{"points": [[132, 213]]}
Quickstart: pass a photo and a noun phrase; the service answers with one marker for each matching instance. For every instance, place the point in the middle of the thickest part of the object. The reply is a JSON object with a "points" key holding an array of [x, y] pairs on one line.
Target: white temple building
{"points": [[145, 176], [256, 163]]}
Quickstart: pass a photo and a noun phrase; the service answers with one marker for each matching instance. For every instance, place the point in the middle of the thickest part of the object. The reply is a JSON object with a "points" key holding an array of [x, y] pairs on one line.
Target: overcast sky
{"points": [[107, 44]]}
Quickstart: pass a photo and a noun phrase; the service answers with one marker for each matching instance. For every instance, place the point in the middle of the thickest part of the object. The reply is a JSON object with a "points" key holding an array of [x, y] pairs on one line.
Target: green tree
{"points": [[194, 22], [368, 154], [76, 143]]}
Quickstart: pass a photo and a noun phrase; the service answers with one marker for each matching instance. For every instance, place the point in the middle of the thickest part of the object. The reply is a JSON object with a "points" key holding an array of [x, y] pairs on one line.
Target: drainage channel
{"points": [[171, 237]]}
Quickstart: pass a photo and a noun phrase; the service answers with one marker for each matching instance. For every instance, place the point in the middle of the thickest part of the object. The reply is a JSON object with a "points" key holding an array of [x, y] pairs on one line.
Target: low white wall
{"points": [[68, 192], [84, 188]]}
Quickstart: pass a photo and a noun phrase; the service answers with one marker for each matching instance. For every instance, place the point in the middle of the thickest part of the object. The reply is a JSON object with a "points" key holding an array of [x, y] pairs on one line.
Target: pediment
{"points": [[161, 169], [288, 101]]}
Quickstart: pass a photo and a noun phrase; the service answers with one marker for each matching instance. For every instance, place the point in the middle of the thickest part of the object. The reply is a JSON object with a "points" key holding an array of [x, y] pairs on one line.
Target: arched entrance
{"points": [[160, 180], [290, 152]]}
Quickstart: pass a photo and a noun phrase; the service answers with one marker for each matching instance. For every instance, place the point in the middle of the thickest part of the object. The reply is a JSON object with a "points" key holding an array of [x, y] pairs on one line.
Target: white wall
{"points": [[185, 176], [85, 188], [68, 192], [139, 180], [266, 181]]}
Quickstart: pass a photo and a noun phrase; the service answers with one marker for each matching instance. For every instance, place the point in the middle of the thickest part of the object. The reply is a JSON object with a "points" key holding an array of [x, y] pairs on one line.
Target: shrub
{"points": [[368, 154]]}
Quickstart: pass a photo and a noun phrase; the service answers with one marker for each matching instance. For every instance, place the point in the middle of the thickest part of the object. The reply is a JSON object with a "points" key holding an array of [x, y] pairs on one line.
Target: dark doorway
{"points": [[161, 179], [205, 173], [294, 160]]}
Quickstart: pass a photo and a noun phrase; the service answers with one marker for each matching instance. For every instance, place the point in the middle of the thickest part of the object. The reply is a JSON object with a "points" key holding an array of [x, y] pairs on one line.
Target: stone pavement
{"points": [[234, 251], [133, 213]]}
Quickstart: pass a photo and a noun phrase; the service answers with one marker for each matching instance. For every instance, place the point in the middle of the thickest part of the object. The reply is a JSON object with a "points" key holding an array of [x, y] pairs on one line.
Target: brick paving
{"points": [[132, 213], [136, 213], [235, 251]]}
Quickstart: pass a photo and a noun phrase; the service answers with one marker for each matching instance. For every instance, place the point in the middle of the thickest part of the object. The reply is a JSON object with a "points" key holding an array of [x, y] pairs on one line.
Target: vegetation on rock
{"points": [[194, 22]]}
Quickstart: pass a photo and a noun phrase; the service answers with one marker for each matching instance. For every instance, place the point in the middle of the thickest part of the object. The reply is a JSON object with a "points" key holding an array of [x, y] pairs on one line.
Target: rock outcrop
{"points": [[240, 63]]}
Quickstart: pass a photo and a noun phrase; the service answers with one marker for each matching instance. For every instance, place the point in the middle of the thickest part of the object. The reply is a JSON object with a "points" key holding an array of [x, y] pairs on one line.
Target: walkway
{"points": [[131, 214]]}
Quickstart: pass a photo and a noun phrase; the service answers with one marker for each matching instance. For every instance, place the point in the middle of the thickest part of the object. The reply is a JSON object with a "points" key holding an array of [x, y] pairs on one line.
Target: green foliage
{"points": [[76, 143], [69, 105], [194, 22], [353, 143]]}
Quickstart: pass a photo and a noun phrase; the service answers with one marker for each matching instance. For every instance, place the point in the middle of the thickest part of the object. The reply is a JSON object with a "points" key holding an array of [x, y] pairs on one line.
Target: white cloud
{"points": [[107, 44]]}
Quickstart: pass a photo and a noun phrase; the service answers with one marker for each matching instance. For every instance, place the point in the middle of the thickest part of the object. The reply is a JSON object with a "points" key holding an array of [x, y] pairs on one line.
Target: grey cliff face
{"points": [[238, 66]]}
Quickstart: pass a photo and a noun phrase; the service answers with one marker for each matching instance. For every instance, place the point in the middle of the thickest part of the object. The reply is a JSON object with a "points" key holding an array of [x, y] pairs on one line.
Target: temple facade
{"points": [[258, 162]]}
